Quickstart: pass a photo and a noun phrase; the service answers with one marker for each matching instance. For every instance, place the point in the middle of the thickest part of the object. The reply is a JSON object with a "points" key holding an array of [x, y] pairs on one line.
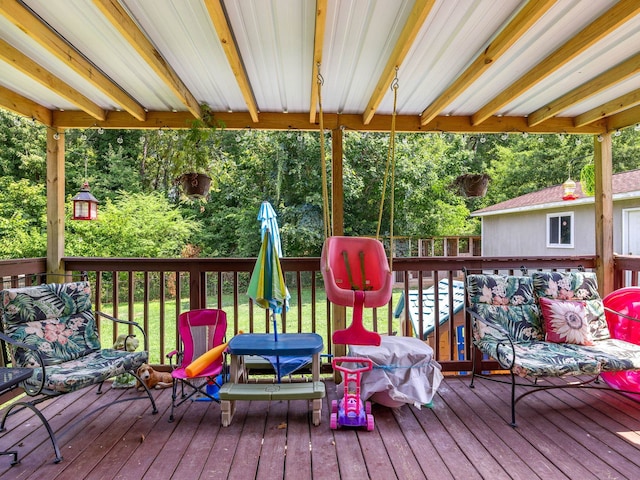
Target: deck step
{"points": [[272, 391]]}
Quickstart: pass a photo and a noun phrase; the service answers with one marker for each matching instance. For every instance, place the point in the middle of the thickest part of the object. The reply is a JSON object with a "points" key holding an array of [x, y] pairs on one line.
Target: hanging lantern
{"points": [[568, 190], [85, 205]]}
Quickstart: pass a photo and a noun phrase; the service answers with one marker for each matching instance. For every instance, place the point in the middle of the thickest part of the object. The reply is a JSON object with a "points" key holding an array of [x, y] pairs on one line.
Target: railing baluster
{"points": [[202, 273], [163, 305]]}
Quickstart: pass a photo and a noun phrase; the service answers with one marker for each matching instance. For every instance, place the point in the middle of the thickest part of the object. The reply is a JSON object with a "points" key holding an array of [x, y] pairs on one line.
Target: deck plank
{"points": [[272, 459], [218, 464], [522, 450], [385, 448], [94, 439], [298, 457], [451, 453], [249, 446], [512, 466], [324, 457], [564, 433], [424, 450], [552, 442]]}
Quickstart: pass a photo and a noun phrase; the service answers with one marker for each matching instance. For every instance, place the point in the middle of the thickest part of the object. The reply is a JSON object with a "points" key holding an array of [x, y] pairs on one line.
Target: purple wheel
{"points": [[333, 423], [334, 406], [367, 407], [370, 422]]}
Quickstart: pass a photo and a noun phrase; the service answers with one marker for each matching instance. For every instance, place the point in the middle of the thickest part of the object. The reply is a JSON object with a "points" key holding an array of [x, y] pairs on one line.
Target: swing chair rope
{"points": [[390, 169], [325, 189]]}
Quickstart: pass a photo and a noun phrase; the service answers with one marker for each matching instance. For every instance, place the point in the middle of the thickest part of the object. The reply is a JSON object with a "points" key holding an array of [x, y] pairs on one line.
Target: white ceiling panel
{"points": [[268, 83], [39, 54], [441, 52], [82, 25], [564, 20], [31, 89], [360, 37], [275, 39], [184, 34]]}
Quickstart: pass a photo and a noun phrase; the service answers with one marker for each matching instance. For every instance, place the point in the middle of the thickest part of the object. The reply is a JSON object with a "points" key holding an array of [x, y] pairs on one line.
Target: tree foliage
{"points": [[132, 173]]}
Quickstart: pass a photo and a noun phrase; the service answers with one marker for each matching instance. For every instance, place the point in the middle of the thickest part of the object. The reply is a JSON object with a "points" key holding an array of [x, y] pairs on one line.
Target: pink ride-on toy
{"points": [[350, 411]]}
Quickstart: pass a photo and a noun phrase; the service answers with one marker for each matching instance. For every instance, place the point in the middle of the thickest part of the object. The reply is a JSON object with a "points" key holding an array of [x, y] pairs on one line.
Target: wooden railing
{"points": [[155, 291]]}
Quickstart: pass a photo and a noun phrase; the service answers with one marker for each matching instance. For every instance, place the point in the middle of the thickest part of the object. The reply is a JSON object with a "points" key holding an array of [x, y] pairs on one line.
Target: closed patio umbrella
{"points": [[267, 286]]}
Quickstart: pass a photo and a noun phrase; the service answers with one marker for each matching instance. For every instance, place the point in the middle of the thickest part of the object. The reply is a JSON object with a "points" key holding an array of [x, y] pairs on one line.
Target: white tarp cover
{"points": [[403, 372]]}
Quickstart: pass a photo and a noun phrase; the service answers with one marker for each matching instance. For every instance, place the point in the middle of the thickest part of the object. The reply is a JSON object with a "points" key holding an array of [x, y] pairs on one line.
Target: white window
{"points": [[560, 230]]}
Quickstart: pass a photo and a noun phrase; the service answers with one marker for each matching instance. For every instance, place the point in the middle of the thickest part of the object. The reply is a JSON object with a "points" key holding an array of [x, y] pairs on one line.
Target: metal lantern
{"points": [[568, 190], [85, 205]]}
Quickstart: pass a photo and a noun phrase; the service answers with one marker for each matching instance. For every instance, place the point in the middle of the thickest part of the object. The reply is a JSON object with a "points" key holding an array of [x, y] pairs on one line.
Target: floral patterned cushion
{"points": [[575, 286], [612, 355], [565, 321], [90, 369], [508, 300], [540, 359], [57, 318]]}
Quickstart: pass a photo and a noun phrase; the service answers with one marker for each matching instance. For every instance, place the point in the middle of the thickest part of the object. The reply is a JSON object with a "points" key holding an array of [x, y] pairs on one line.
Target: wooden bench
{"points": [[314, 391]]}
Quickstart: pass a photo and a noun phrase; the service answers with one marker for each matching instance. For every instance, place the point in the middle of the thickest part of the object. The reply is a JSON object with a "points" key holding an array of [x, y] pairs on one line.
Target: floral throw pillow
{"points": [[565, 321]]}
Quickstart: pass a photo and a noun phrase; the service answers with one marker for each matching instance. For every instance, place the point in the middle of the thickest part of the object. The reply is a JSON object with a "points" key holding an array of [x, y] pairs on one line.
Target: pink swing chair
{"points": [[356, 274]]}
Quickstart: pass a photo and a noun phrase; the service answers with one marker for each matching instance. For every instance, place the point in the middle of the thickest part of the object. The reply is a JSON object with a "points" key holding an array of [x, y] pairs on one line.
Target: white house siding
{"points": [[525, 233], [618, 207]]}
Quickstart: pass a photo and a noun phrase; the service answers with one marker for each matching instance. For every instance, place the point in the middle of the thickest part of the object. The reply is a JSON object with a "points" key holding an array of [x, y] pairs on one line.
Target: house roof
{"points": [[625, 185], [509, 66]]}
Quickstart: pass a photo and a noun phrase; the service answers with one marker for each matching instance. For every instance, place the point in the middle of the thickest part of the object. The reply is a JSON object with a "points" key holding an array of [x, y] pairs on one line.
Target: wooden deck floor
{"points": [[561, 434]]}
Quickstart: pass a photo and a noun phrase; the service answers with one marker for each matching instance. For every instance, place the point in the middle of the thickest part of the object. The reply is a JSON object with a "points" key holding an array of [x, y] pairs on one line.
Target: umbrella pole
{"points": [[275, 335]]}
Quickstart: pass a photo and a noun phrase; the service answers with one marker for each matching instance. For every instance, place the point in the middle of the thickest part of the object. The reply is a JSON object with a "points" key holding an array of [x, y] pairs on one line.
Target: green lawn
{"points": [[260, 321]]}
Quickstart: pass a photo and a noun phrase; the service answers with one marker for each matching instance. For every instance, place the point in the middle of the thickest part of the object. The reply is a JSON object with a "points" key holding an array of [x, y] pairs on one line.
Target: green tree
{"points": [[133, 225], [22, 219]]}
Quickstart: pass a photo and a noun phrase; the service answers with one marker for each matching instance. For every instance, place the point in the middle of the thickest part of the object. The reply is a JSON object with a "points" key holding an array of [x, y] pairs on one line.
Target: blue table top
{"points": [[288, 344]]}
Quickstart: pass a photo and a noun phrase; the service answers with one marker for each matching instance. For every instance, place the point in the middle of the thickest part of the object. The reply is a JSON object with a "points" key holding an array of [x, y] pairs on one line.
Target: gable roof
{"points": [[625, 185]]}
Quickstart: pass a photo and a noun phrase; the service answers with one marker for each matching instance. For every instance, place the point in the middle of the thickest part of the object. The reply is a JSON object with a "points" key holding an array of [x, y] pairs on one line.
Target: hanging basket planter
{"points": [[195, 185], [473, 184]]}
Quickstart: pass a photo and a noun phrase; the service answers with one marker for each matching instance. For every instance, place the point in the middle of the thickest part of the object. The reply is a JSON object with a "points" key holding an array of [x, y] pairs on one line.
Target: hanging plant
{"points": [[192, 161], [473, 184], [588, 179]]}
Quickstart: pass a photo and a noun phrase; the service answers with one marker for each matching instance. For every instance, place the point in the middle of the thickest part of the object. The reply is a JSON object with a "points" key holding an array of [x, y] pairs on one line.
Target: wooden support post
{"points": [[339, 313], [55, 204], [604, 213]]}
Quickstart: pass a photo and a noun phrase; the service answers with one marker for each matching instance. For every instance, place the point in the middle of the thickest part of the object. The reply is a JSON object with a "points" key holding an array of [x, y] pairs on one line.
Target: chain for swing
{"points": [[390, 170], [328, 229]]}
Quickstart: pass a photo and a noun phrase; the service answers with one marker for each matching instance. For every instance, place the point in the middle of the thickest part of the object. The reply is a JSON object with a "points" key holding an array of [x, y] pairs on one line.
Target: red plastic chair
{"points": [[356, 274], [200, 331]]}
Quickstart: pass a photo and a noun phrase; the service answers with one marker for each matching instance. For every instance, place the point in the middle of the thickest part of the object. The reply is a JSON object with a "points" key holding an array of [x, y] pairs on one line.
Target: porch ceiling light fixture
{"points": [[85, 205]]}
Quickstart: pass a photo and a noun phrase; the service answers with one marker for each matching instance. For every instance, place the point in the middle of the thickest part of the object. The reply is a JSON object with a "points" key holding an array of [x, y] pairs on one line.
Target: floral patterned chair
{"points": [[549, 324], [52, 330]]}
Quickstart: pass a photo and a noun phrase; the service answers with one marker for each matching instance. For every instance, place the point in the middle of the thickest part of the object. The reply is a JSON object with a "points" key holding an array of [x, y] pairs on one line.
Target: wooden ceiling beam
{"points": [[10, 100], [24, 64], [623, 119], [222, 28], [120, 19], [526, 17], [300, 121], [603, 81], [587, 37], [25, 20], [617, 105], [318, 45], [417, 17]]}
